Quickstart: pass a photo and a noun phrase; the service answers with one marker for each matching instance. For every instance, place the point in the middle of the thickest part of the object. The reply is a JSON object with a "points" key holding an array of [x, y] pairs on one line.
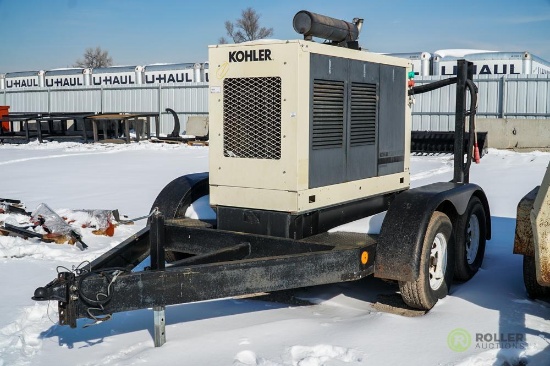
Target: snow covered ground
{"points": [[343, 328]]}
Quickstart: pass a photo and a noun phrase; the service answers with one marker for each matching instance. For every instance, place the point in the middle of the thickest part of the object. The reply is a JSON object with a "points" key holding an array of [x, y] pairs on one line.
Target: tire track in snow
{"points": [[127, 355], [320, 354], [21, 340], [317, 355], [448, 167]]}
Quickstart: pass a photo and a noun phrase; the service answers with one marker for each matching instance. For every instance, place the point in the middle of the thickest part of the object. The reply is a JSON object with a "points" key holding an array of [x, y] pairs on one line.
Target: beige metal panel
{"points": [[286, 63], [253, 198], [540, 221], [306, 46], [350, 191], [301, 112], [292, 201]]}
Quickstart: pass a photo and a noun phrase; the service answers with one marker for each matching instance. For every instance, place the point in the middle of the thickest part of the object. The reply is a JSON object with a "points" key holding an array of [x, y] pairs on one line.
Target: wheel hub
{"points": [[438, 261], [472, 239]]}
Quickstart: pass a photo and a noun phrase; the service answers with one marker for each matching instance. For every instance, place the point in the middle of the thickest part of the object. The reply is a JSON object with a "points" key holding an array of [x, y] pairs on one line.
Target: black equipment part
{"points": [[316, 25], [443, 142]]}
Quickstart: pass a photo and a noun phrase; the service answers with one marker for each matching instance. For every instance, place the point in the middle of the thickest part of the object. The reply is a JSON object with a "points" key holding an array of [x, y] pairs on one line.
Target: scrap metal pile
{"points": [[63, 227]]}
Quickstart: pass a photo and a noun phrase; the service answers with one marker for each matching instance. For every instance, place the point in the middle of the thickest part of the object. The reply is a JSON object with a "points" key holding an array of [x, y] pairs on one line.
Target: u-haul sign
{"points": [[168, 76], [484, 68]]}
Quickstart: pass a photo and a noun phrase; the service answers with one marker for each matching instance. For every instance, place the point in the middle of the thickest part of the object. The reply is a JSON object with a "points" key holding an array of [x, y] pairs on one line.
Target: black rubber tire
{"points": [[464, 270], [534, 289], [175, 199], [419, 294]]}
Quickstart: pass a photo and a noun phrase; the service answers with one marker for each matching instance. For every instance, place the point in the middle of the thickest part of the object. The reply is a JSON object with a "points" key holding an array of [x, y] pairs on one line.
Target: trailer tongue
{"points": [[307, 139]]}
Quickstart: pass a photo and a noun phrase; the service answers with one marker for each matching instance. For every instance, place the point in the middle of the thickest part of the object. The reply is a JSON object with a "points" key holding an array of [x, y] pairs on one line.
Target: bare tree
{"points": [[246, 28], [94, 58]]}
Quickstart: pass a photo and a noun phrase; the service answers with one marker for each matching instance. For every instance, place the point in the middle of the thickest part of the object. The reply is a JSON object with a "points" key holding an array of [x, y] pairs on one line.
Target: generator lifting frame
{"points": [[223, 263]]}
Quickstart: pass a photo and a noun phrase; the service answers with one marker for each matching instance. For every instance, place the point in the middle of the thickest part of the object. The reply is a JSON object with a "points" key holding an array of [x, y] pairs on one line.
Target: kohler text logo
{"points": [[250, 55]]}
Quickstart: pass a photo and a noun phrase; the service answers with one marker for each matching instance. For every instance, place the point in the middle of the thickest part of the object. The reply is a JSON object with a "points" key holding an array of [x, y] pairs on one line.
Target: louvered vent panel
{"points": [[252, 118], [328, 114], [363, 114]]}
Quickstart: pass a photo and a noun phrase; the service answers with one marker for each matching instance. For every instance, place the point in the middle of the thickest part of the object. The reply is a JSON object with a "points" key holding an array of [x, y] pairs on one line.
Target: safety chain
{"points": [[153, 211]]}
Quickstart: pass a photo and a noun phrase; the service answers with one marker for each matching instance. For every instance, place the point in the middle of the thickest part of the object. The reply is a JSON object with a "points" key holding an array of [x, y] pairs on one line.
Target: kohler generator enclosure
{"points": [[298, 125]]}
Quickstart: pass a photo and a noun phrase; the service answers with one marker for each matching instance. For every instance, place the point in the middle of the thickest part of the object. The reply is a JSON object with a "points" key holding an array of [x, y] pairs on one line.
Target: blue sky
{"points": [[46, 34]]}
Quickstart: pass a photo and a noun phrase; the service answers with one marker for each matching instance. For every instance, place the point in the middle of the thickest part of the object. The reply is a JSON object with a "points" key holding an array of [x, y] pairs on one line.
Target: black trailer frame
{"points": [[255, 264], [262, 251]]}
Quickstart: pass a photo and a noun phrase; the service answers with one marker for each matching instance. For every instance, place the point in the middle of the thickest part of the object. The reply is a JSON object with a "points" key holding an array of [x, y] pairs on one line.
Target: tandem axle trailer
{"points": [[315, 137]]}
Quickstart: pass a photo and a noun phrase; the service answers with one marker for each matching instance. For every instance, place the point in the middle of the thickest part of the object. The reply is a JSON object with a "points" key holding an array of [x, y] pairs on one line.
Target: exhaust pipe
{"points": [[315, 25]]}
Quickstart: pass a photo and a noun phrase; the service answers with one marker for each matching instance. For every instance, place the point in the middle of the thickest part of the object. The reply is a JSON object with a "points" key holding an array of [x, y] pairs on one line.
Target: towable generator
{"points": [[304, 137]]}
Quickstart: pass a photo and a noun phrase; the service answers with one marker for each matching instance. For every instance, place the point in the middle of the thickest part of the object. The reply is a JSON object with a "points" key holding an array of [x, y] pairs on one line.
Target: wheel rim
{"points": [[472, 239], [438, 261]]}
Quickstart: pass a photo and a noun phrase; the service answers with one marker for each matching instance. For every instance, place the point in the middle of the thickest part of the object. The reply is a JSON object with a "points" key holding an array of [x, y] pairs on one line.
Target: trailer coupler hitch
{"points": [[63, 290]]}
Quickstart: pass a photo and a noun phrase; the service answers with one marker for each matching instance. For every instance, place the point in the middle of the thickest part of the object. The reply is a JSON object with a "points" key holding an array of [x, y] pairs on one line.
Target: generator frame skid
{"points": [[323, 140]]}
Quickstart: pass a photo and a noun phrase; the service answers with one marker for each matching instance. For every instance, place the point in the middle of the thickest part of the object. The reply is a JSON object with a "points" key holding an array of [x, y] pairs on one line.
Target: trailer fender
{"points": [[402, 234], [175, 198]]}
